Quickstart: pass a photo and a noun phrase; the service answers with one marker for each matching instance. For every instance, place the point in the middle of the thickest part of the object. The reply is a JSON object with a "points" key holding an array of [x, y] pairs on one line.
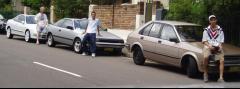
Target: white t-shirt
{"points": [[41, 20], [93, 25], [215, 40]]}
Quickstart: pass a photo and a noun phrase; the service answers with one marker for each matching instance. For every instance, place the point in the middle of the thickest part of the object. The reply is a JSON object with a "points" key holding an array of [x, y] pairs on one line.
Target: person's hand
{"points": [[83, 33], [210, 47], [220, 48]]}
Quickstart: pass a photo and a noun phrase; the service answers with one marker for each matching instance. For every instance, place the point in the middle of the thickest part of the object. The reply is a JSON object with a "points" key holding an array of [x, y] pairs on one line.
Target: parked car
{"points": [[23, 25], [69, 31], [178, 44], [2, 24]]}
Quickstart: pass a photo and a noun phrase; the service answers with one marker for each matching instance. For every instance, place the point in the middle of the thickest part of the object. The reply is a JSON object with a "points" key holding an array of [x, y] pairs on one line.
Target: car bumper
{"points": [[43, 36], [109, 45], [231, 65], [2, 27]]}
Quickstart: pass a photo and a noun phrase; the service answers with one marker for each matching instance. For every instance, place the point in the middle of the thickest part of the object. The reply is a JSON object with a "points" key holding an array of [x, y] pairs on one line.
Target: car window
{"points": [[168, 33], [80, 24], [21, 18], [16, 18], [30, 20], [145, 31], [67, 23], [1, 17], [59, 23], [155, 31]]}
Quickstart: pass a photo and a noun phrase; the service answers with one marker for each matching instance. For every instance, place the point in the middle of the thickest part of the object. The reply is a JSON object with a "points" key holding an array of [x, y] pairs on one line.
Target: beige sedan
{"points": [[177, 44]]}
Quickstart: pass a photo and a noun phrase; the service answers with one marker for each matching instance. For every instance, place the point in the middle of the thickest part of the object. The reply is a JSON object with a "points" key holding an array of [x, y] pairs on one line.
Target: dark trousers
{"points": [[89, 38]]}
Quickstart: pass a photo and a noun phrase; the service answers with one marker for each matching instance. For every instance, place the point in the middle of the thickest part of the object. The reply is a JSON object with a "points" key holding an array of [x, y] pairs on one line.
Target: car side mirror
{"points": [[22, 22], [174, 40], [70, 27]]}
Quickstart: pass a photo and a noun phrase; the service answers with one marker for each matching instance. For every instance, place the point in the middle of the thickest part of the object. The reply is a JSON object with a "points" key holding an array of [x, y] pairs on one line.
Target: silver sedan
{"points": [[69, 31]]}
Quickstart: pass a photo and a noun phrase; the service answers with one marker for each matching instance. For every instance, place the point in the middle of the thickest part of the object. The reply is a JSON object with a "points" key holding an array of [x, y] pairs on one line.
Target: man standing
{"points": [[213, 38], [90, 37], [42, 21]]}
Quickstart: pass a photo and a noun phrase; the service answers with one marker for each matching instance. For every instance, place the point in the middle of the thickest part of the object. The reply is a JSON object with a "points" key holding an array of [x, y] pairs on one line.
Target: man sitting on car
{"points": [[213, 37]]}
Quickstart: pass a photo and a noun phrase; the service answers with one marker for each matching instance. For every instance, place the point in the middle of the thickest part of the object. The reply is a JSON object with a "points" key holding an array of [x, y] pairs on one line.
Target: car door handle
{"points": [[59, 30], [141, 37], [159, 41]]}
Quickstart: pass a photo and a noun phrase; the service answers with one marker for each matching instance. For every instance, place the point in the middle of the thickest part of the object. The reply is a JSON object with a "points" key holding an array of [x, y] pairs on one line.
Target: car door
{"points": [[145, 41], [20, 25], [152, 41], [56, 30], [169, 46], [13, 24], [67, 32]]}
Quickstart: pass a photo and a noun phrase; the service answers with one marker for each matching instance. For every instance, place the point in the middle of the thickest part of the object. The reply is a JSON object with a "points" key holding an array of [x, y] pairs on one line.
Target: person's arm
{"points": [[46, 20], [205, 40], [222, 38], [98, 28]]}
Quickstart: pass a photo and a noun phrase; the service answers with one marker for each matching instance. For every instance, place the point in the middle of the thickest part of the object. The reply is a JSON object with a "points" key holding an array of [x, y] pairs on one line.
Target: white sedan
{"points": [[23, 25]]}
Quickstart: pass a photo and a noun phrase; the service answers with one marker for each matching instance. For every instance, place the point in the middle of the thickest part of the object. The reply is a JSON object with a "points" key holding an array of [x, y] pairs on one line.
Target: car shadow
{"points": [[228, 77], [100, 53]]}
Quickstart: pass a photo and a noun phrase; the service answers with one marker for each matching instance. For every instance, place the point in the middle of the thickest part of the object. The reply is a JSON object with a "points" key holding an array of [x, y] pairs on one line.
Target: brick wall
{"points": [[124, 16]]}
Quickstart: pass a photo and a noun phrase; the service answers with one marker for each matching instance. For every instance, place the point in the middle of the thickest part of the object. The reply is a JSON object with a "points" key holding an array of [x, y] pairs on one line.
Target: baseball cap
{"points": [[211, 16]]}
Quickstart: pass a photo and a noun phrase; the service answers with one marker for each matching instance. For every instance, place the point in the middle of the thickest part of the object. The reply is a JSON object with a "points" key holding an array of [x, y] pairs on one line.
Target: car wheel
{"points": [[9, 34], [138, 57], [77, 46], [192, 69], [50, 41], [27, 36]]}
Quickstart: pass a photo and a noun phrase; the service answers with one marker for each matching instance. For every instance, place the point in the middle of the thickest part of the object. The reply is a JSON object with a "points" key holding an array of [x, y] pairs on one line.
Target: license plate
{"points": [[108, 49], [235, 69]]}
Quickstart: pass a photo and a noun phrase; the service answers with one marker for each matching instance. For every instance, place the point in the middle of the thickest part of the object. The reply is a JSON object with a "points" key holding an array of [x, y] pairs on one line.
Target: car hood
{"points": [[108, 35], [227, 48]]}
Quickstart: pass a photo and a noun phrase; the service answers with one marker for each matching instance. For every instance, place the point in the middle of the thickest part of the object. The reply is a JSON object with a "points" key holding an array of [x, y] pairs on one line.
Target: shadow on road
{"points": [[230, 77]]}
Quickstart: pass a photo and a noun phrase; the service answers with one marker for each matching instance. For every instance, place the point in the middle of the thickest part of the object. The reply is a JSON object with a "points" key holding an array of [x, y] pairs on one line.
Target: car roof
{"points": [[178, 23], [27, 15], [74, 18]]}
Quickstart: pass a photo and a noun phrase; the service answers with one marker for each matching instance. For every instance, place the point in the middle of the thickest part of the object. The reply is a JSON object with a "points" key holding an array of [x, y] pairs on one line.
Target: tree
{"points": [[197, 11], [71, 8], [36, 4]]}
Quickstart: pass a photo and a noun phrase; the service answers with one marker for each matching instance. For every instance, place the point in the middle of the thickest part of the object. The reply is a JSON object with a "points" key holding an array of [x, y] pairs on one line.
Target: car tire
{"points": [[138, 57], [77, 46], [9, 34], [50, 41], [27, 36], [192, 68]]}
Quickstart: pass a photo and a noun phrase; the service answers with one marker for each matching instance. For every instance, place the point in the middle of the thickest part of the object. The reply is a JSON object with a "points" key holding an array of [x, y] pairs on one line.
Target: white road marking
{"points": [[41, 64]]}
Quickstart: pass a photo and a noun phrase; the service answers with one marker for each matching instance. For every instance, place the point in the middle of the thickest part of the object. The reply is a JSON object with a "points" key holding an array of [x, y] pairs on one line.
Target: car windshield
{"points": [[190, 33], [80, 24], [1, 17], [30, 20]]}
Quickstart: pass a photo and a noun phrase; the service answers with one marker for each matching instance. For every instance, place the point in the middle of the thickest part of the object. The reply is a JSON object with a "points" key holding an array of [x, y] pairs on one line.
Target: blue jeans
{"points": [[89, 38]]}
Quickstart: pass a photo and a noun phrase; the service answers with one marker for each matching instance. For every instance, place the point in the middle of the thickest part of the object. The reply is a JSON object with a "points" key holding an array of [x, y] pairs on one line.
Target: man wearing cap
{"points": [[213, 38]]}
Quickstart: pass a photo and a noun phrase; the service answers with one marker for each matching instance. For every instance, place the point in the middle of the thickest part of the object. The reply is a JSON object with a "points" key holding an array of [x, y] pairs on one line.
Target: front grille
{"points": [[110, 40], [232, 59]]}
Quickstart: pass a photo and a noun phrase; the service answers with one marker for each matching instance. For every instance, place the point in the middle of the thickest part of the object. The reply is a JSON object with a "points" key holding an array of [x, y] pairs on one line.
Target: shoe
{"points": [[93, 55], [84, 54], [221, 80], [205, 78]]}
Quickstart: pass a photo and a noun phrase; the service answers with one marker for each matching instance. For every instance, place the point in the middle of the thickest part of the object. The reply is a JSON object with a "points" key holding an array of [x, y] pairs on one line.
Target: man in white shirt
{"points": [[90, 37], [42, 21], [213, 38]]}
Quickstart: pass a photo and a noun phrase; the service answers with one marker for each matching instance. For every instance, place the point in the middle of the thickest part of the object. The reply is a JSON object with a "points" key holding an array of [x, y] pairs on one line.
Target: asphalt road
{"points": [[27, 65]]}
